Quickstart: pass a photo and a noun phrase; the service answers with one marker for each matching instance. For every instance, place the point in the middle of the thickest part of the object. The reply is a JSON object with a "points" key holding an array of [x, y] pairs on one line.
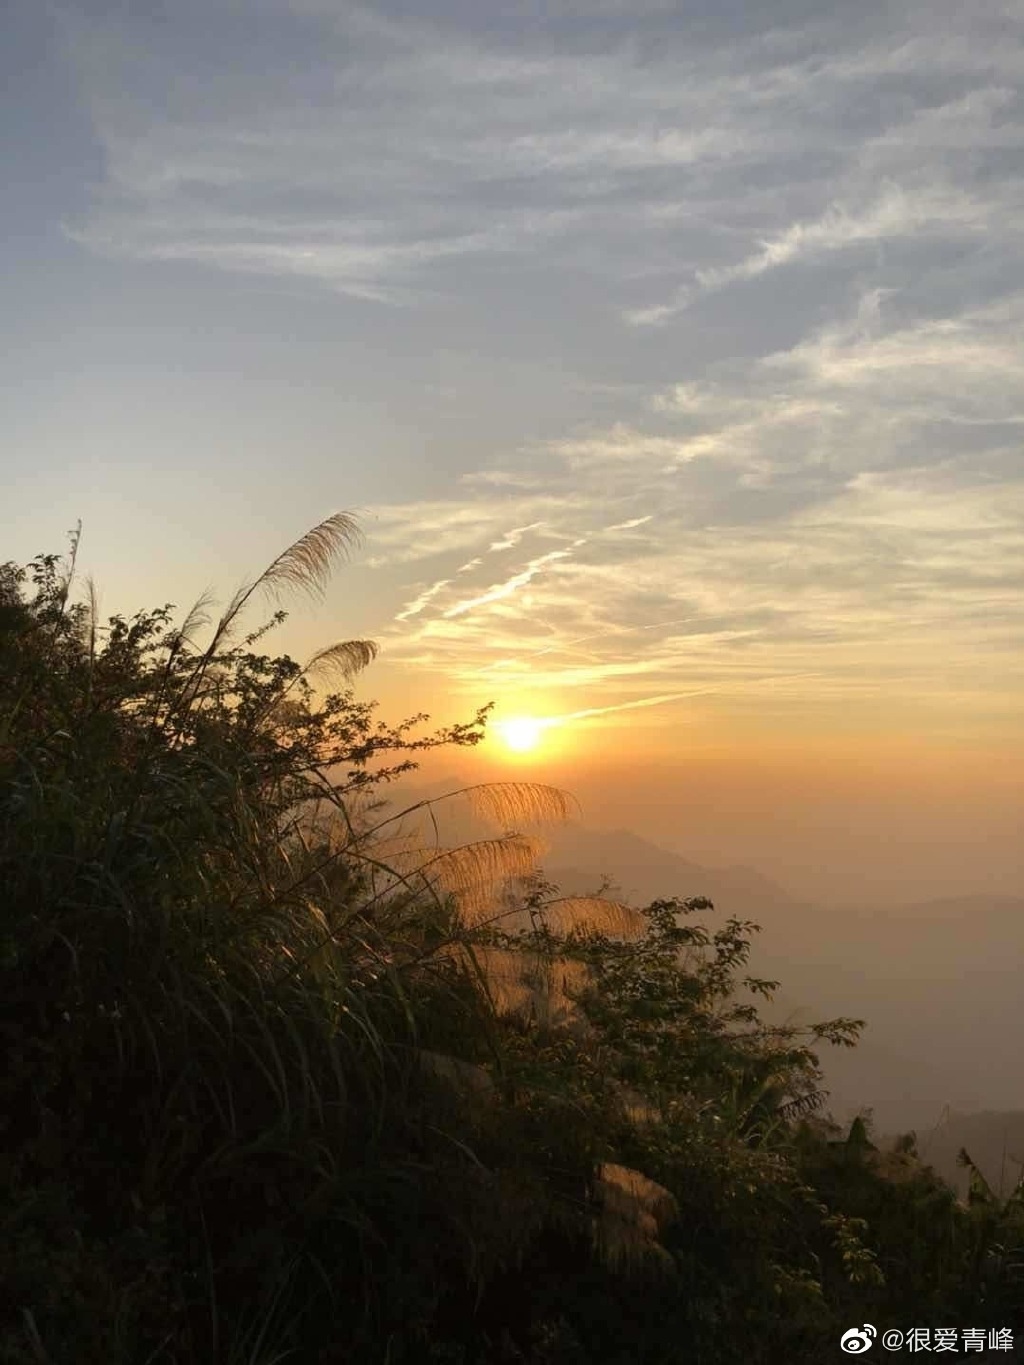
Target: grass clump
{"points": [[215, 1002]]}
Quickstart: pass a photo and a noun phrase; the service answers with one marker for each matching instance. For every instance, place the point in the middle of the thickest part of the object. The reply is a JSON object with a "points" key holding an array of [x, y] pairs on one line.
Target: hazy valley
{"points": [[936, 981]]}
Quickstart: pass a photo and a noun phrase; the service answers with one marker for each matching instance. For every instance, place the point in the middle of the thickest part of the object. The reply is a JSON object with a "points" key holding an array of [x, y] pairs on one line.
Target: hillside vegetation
{"points": [[280, 1085]]}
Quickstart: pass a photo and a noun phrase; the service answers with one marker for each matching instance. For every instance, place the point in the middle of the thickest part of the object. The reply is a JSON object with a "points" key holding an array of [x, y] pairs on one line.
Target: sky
{"points": [[669, 354]]}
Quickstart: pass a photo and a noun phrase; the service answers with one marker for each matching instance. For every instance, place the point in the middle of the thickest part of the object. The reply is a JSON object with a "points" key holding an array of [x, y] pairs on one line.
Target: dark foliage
{"points": [[271, 1092]]}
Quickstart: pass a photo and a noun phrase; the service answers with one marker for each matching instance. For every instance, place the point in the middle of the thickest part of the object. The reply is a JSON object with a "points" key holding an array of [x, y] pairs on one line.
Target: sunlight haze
{"points": [[671, 363]]}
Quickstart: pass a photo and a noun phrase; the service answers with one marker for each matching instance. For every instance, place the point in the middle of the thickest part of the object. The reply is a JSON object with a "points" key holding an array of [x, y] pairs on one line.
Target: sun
{"points": [[521, 733]]}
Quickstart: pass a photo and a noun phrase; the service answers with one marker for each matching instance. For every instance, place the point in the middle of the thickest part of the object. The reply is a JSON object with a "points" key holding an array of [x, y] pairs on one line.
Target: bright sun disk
{"points": [[521, 733]]}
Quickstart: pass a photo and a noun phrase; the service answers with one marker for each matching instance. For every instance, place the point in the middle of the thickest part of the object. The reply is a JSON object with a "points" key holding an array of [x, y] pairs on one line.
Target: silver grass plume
{"points": [[633, 1210], [345, 659], [307, 565]]}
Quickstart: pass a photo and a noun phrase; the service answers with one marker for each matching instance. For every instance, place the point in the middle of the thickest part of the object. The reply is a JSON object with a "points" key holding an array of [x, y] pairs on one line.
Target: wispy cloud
{"points": [[512, 538], [425, 598], [497, 591], [896, 214], [804, 482], [862, 536], [279, 153]]}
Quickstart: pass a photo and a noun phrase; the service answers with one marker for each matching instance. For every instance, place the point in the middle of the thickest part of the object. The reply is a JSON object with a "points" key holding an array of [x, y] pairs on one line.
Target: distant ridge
{"points": [[937, 981], [578, 856], [644, 871]]}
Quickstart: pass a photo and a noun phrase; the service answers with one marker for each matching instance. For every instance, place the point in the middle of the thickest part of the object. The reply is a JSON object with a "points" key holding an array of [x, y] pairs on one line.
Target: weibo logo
{"points": [[858, 1340]]}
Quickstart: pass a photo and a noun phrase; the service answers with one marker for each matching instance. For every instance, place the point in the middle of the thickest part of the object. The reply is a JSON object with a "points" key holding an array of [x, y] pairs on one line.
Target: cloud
{"points": [[895, 214], [804, 484], [362, 152], [424, 599], [888, 569], [497, 591], [629, 525], [625, 706], [512, 538], [931, 211]]}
